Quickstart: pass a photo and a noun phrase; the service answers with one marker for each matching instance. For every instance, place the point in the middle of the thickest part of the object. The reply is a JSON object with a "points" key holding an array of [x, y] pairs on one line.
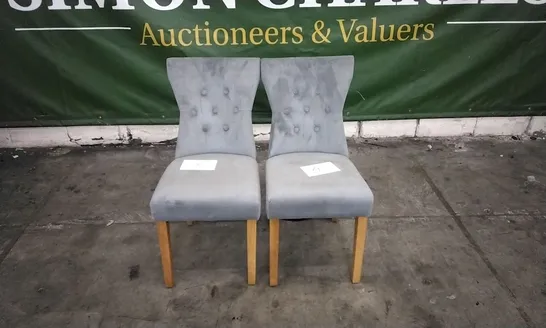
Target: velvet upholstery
{"points": [[307, 96], [291, 194], [215, 98], [230, 192]]}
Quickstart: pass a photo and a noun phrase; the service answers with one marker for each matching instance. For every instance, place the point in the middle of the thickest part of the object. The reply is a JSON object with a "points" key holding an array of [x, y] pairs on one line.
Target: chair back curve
{"points": [[215, 98], [307, 95]]}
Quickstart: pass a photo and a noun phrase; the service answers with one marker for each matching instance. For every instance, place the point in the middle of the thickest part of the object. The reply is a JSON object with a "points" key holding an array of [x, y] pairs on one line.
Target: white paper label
{"points": [[320, 169], [198, 165]]}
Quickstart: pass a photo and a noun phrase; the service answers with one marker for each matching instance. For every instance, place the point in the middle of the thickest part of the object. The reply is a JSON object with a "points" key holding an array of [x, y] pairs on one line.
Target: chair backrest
{"points": [[215, 98], [307, 95]]}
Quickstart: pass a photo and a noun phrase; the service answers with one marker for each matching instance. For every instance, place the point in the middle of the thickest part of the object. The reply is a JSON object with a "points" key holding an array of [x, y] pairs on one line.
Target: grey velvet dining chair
{"points": [[214, 176], [307, 96]]}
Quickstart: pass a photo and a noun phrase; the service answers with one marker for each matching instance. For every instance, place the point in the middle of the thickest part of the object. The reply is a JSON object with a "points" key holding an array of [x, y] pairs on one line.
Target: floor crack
{"points": [[476, 247]]}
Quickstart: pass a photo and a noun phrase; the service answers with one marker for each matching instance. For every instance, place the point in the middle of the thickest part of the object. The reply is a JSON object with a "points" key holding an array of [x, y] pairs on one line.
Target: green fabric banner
{"points": [[78, 62]]}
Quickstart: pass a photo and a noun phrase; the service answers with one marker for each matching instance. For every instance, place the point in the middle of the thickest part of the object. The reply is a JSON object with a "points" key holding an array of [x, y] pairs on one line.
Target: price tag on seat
{"points": [[320, 169], [198, 165]]}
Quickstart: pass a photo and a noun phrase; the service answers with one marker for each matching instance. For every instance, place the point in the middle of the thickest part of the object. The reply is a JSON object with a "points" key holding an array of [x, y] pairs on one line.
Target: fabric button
{"points": [[317, 92], [205, 128], [296, 128], [327, 109], [306, 109], [296, 92], [226, 91], [287, 110], [236, 109], [317, 128], [194, 112], [226, 127], [214, 110], [204, 92]]}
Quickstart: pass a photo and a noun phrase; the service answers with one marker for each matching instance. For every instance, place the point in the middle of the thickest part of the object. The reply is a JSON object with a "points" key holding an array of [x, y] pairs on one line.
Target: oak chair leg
{"points": [[361, 227], [273, 252], [251, 231], [164, 236]]}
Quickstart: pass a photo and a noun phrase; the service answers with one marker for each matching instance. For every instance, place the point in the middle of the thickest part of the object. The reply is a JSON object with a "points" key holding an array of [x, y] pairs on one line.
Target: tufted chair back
{"points": [[307, 95], [215, 98]]}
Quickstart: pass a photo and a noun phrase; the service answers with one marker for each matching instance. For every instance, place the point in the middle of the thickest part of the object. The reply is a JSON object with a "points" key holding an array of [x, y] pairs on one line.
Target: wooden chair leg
{"points": [[361, 227], [251, 231], [164, 236], [273, 252]]}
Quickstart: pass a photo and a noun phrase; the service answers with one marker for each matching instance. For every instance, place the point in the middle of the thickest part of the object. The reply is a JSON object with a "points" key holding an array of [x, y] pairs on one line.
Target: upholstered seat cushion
{"points": [[292, 194], [230, 192]]}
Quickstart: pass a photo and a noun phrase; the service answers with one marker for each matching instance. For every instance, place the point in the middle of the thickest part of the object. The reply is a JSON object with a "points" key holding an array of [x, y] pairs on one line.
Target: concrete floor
{"points": [[457, 239]]}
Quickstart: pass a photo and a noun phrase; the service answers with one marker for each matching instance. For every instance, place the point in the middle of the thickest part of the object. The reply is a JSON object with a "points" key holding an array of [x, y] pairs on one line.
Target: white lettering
{"points": [[271, 5], [399, 3], [83, 5], [31, 5], [123, 5], [34, 4], [154, 5], [500, 2], [58, 5], [201, 5], [120, 5], [342, 3], [309, 4], [461, 2], [230, 4]]}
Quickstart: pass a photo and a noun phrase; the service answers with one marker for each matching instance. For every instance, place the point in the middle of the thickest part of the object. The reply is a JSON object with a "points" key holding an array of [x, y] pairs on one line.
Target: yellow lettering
{"points": [[283, 34], [429, 30], [181, 37], [255, 32], [148, 33], [297, 32], [404, 28], [362, 33], [172, 43], [416, 30], [374, 26], [382, 33], [224, 38], [271, 31], [197, 36], [207, 34], [345, 35], [234, 36]]}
